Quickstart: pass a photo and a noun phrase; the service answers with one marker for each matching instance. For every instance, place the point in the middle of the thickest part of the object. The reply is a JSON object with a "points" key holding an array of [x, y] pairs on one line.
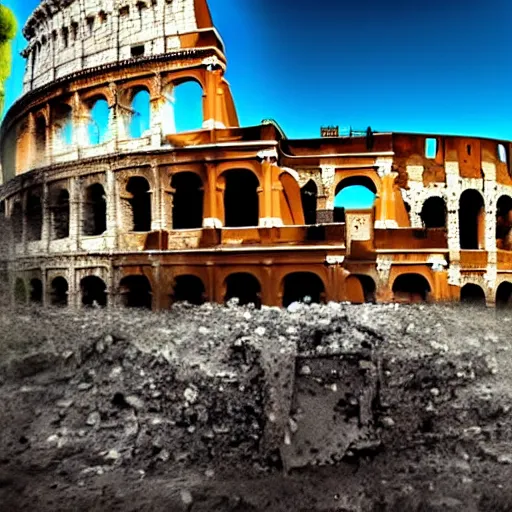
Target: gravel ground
{"points": [[129, 410]]}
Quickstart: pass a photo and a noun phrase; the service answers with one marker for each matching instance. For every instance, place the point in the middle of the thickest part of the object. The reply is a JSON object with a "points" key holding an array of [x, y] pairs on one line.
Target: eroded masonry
{"points": [[108, 209]]}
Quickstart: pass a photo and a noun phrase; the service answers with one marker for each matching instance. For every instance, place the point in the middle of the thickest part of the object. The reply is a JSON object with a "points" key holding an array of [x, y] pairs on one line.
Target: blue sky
{"points": [[441, 66]]}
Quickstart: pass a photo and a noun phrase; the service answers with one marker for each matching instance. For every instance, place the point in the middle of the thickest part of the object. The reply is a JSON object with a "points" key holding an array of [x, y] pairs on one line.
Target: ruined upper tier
{"points": [[68, 36]]}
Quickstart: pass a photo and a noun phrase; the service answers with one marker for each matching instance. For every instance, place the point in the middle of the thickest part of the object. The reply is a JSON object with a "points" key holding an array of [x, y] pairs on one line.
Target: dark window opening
{"points": [[36, 291], [140, 203], [40, 138], [471, 220], [90, 24], [302, 287], [339, 214], [34, 218], [65, 37], [137, 51], [74, 30], [187, 210], [95, 211], [17, 222], [102, 16], [468, 149], [411, 288], [433, 213], [369, 288], [504, 295], [189, 289], [503, 222], [241, 203], [20, 291], [309, 194], [472, 294], [94, 291], [135, 292], [124, 11], [59, 292], [245, 287], [60, 214]]}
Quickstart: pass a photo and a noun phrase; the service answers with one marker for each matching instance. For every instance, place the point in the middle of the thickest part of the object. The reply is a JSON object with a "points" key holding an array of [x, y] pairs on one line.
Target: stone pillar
{"points": [[383, 290], [325, 214], [46, 227], [385, 204], [24, 222], [270, 191], [157, 213], [31, 149], [110, 192], [80, 123], [75, 213], [211, 211], [157, 102], [213, 95]]}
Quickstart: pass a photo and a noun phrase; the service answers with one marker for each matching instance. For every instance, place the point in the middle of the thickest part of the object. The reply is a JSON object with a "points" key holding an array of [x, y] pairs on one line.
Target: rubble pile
{"points": [[196, 401]]}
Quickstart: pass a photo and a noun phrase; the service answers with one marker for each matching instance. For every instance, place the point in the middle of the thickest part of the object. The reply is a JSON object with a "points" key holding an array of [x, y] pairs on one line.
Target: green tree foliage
{"points": [[8, 28]]}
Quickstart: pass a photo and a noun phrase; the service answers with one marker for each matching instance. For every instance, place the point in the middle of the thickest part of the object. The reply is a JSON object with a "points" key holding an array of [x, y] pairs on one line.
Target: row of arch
{"points": [[135, 290]]}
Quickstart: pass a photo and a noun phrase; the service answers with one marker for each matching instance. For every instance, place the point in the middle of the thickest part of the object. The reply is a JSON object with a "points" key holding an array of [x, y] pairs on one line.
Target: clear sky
{"points": [[438, 66]]}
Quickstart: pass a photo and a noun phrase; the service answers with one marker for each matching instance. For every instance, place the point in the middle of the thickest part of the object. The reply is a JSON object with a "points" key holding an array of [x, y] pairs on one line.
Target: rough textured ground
{"points": [[117, 410]]}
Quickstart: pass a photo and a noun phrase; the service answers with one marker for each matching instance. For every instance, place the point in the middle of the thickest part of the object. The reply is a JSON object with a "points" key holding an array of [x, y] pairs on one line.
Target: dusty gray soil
{"points": [[125, 410]]}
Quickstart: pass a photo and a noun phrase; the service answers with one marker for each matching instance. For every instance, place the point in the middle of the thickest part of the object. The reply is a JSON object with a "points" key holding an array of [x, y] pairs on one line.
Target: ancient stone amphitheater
{"points": [[146, 216]]}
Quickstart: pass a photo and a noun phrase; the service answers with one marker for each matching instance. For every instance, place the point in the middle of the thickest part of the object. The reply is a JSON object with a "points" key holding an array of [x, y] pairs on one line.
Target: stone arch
{"points": [[187, 207], [59, 289], [504, 222], [140, 118], [472, 293], [188, 288], [471, 220], [241, 201], [297, 286], [59, 208], [434, 212], [309, 196], [411, 287], [291, 211], [360, 288], [36, 291], [99, 120], [20, 291], [135, 292], [346, 191], [17, 221], [504, 295], [94, 210], [244, 286], [34, 215], [93, 291], [140, 203]]}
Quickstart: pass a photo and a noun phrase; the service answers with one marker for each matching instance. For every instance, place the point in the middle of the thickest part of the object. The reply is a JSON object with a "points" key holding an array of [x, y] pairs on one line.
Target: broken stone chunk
{"points": [[93, 419], [135, 402]]}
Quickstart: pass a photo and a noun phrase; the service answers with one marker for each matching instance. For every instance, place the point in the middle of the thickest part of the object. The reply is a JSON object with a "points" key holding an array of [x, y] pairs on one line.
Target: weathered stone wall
{"points": [[73, 36]]}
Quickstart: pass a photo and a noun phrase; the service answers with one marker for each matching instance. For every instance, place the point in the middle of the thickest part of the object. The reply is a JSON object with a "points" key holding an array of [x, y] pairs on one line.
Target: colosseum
{"points": [[114, 211]]}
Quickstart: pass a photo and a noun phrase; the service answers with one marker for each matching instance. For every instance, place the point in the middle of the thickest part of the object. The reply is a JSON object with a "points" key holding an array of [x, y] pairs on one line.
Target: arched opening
{"points": [[95, 211], [20, 291], [433, 213], [302, 287], [471, 220], [360, 288], [241, 205], [135, 292], [94, 291], [472, 294], [40, 136], [60, 214], [140, 203], [17, 222], [309, 194], [353, 193], [245, 287], [187, 206], [59, 292], [140, 121], [34, 217], [36, 291], [62, 127], [189, 289], [503, 222], [99, 122], [411, 288], [187, 103], [504, 295]]}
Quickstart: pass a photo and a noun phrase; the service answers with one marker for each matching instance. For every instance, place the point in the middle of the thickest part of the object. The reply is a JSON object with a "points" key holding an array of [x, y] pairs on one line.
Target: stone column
{"points": [[75, 213], [325, 215], [385, 204], [157, 214], [270, 191], [110, 192], [213, 95], [46, 227], [24, 222], [211, 214]]}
